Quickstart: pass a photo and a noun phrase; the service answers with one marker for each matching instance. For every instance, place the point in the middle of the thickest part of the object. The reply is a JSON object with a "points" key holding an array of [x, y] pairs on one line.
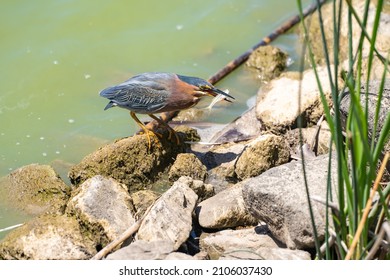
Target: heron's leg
{"points": [[170, 129], [145, 129]]}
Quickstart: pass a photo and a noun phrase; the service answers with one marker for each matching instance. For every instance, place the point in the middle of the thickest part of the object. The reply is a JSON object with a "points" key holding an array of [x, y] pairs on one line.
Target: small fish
{"points": [[216, 99]]}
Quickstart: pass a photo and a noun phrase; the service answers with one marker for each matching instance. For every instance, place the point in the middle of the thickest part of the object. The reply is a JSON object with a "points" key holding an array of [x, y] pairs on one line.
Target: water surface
{"points": [[57, 55]]}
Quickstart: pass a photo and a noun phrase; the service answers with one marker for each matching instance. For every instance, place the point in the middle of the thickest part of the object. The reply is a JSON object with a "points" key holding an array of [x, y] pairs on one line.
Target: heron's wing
{"points": [[137, 97], [113, 93]]}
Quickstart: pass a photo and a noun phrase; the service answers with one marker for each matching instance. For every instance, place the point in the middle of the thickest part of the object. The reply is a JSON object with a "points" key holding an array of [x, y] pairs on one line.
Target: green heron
{"points": [[157, 92]]}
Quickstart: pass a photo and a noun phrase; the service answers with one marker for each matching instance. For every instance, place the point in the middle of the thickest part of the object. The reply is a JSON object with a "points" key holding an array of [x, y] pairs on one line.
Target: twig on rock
{"points": [[343, 245], [330, 204], [314, 140], [11, 227], [377, 244], [331, 240]]}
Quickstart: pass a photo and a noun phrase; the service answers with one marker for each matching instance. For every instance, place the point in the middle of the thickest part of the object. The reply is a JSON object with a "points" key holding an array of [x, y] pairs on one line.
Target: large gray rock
{"points": [[225, 209], [143, 250], [179, 256], [103, 207], [170, 218], [47, 238], [267, 254], [219, 243], [372, 100], [35, 189], [278, 106], [278, 197]]}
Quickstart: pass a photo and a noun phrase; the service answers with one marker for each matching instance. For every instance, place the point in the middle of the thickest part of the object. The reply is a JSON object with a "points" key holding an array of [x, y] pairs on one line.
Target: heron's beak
{"points": [[214, 92]]}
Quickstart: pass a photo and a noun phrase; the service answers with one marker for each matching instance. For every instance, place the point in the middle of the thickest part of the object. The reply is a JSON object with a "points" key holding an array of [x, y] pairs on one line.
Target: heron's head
{"points": [[203, 87]]}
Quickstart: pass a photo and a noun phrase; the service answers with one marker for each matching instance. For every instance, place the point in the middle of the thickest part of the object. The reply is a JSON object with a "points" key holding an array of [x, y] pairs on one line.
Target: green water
{"points": [[57, 55]]}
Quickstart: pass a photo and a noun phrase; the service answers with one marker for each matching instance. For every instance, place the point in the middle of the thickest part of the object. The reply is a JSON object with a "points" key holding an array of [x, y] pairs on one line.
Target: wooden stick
{"points": [[234, 64]]}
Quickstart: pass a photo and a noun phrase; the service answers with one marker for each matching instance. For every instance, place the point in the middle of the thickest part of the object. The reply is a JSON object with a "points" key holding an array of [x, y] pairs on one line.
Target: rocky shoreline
{"points": [[240, 197]]}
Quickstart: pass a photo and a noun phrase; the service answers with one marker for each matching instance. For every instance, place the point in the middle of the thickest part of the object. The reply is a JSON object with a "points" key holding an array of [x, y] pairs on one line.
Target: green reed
{"points": [[358, 151]]}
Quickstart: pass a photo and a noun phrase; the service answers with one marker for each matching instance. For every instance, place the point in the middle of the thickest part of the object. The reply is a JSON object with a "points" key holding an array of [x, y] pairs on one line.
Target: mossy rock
{"points": [[261, 154], [187, 164], [268, 61], [47, 237], [130, 161], [35, 189]]}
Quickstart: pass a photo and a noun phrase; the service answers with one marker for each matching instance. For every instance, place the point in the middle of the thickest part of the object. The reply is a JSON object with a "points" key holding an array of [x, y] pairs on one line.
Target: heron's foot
{"points": [[163, 124], [151, 132], [154, 134], [173, 132]]}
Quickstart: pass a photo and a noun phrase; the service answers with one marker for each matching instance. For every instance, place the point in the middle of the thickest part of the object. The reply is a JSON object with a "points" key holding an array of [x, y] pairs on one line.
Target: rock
{"points": [[268, 61], [310, 135], [104, 209], [261, 154], [277, 103], [206, 131], [143, 250], [189, 115], [202, 255], [245, 127], [377, 69], [142, 200], [382, 42], [170, 218], [129, 160], [187, 164], [189, 134], [220, 161], [278, 198], [241, 160], [179, 256], [225, 209], [283, 254], [35, 189], [202, 190], [372, 100], [267, 254], [216, 244], [61, 167], [47, 238]]}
